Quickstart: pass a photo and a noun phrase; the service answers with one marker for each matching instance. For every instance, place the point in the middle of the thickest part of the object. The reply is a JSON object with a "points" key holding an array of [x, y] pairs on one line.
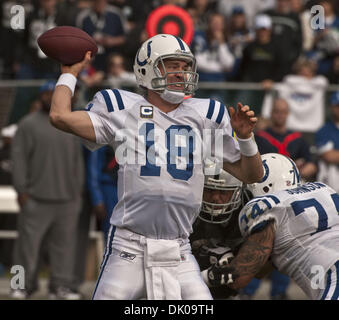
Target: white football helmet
{"points": [[280, 173], [218, 213], [153, 52]]}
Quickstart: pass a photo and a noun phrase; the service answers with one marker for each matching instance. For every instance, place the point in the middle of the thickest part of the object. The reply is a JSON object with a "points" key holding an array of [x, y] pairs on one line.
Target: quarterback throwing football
{"points": [[148, 255]]}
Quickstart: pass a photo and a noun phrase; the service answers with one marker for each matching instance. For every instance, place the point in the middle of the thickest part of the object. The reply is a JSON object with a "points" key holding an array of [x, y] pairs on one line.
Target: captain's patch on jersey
{"points": [[146, 112]]}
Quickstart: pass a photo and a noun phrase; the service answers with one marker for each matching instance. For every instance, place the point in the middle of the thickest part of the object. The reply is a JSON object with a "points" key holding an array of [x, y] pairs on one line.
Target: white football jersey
{"points": [[306, 240], [160, 178]]}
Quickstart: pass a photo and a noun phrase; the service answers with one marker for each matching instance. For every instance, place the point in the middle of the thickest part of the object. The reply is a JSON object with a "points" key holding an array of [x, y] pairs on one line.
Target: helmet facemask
{"points": [[190, 77], [218, 213]]}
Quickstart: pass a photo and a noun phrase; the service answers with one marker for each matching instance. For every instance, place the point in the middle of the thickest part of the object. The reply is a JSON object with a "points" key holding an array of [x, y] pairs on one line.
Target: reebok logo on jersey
{"points": [[146, 112]]}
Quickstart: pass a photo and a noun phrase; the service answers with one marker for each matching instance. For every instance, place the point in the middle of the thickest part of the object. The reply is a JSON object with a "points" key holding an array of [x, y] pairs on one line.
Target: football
{"points": [[67, 45]]}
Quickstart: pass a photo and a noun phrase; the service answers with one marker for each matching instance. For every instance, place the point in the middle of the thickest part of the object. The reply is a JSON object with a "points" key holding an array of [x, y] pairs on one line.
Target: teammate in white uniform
{"points": [[160, 181], [296, 226]]}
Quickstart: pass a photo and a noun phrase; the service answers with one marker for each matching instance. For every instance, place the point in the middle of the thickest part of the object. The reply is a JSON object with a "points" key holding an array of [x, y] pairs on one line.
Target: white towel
{"points": [[162, 258]]}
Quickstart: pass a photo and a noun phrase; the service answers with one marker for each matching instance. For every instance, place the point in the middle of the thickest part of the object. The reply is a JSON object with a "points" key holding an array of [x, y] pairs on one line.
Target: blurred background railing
{"points": [[17, 96]]}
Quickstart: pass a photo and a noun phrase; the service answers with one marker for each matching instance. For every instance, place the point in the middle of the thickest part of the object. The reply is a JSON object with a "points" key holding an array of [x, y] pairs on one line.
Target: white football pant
{"points": [[135, 267]]}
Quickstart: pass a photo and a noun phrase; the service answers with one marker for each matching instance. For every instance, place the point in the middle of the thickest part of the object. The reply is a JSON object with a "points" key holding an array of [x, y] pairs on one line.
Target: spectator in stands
{"points": [[327, 39], [201, 10], [116, 72], [251, 8], [91, 77], [239, 35], [298, 7], [9, 53], [135, 13], [261, 62], [262, 58], [106, 25], [34, 64], [48, 176], [327, 142], [7, 222], [333, 76], [305, 95], [102, 169], [213, 56], [277, 138], [7, 134], [287, 32]]}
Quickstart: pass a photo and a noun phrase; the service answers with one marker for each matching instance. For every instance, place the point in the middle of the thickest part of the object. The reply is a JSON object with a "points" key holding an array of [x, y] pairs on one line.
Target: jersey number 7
{"points": [[301, 205]]}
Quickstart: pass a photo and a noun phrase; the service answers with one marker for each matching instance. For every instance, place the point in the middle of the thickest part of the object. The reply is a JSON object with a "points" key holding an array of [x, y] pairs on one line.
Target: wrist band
{"points": [[248, 147], [68, 80]]}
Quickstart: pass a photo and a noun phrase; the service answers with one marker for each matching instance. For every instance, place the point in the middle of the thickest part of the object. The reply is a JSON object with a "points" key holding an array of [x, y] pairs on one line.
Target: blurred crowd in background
{"points": [[268, 42]]}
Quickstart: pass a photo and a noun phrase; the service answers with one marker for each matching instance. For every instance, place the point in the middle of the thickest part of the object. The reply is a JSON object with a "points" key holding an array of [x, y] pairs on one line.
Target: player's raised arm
{"points": [[249, 168], [61, 115]]}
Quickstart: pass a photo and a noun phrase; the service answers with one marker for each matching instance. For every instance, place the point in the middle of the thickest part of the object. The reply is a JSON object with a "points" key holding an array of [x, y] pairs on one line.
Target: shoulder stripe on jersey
{"points": [[182, 47], [211, 109], [107, 100], [220, 114], [90, 105], [117, 94]]}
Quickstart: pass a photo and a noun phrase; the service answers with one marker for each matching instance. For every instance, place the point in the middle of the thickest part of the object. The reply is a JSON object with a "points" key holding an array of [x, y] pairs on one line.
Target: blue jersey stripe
{"points": [[328, 284], [210, 109], [220, 114], [336, 290], [89, 107], [274, 198], [108, 252], [117, 94], [107, 100]]}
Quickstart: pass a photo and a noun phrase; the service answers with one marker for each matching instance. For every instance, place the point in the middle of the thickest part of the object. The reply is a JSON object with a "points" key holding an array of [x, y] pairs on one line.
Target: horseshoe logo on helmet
{"points": [[142, 63], [267, 171]]}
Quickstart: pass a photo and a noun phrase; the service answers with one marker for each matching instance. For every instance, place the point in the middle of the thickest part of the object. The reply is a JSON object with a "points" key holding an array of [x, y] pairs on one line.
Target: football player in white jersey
{"points": [[160, 181], [295, 227]]}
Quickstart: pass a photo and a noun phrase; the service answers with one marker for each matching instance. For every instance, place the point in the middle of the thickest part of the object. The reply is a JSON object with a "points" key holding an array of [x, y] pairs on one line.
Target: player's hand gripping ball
{"points": [[67, 45]]}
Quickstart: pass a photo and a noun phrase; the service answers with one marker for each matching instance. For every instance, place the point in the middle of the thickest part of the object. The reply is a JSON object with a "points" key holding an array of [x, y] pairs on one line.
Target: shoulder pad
{"points": [[257, 212]]}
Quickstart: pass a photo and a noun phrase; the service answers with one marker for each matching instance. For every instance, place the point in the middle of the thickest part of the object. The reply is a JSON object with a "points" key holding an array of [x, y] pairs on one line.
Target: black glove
{"points": [[207, 256], [219, 275]]}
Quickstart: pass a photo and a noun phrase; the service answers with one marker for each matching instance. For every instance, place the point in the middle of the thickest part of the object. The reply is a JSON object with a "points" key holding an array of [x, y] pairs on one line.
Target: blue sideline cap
{"points": [[335, 99], [237, 10], [48, 86]]}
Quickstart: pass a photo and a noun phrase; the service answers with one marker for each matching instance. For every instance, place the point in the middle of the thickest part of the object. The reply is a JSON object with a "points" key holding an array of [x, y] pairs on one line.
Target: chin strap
{"points": [[172, 97]]}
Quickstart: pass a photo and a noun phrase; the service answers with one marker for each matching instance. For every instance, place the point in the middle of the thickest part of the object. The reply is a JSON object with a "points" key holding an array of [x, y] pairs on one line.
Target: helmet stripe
{"points": [[295, 169], [182, 47]]}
